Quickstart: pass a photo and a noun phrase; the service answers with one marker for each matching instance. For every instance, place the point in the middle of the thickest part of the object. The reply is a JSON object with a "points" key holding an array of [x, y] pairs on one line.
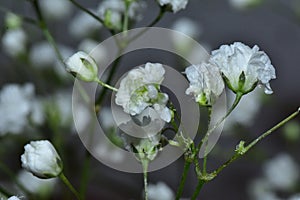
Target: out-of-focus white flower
{"points": [[206, 83], [15, 106], [37, 112], [83, 66], [83, 25], [14, 42], [160, 191], [243, 4], [108, 151], [111, 11], [35, 185], [243, 68], [42, 55], [190, 28], [187, 26], [140, 89], [282, 172], [176, 5], [295, 197], [260, 189], [96, 51], [41, 159], [56, 9], [246, 110], [13, 198]]}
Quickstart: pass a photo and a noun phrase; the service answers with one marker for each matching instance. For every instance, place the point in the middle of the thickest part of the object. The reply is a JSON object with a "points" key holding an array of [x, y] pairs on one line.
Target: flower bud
{"points": [[41, 159], [83, 66]]}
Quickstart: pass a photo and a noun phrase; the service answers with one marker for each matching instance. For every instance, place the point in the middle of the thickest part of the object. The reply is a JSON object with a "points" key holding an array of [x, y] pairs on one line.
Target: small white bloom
{"points": [[13, 198], [188, 27], [243, 4], [83, 66], [37, 112], [206, 83], [243, 68], [42, 55], [282, 172], [83, 25], [160, 191], [56, 9], [15, 106], [140, 89], [41, 159], [36, 185], [175, 4], [14, 42]]}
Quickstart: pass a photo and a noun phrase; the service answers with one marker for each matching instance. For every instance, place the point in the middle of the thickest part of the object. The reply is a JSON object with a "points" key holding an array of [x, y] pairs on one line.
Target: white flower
{"points": [[41, 159], [56, 9], [36, 185], [13, 198], [176, 5], [140, 89], [42, 55], [160, 191], [37, 112], [282, 172], [243, 4], [83, 66], [83, 25], [14, 42], [15, 106], [206, 83], [243, 68]]}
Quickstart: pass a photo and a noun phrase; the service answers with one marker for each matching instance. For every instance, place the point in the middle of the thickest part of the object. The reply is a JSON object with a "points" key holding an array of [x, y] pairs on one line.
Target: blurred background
{"points": [[35, 96]]}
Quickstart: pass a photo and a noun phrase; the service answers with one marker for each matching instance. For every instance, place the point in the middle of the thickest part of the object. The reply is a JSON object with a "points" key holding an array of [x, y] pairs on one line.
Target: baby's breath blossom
{"points": [[15, 107], [175, 5], [160, 191], [41, 159], [243, 68], [56, 9], [206, 83], [83, 66], [140, 89], [14, 42], [282, 172]]}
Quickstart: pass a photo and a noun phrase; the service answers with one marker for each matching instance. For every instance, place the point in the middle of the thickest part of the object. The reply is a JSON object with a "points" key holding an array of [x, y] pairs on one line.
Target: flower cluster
{"points": [[242, 68], [140, 88]]}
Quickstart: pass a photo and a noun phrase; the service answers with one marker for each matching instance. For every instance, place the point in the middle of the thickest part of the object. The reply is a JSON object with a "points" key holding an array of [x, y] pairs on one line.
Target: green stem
{"points": [[85, 175], [125, 21], [238, 154], [87, 11], [24, 18], [108, 81], [47, 34], [69, 185], [238, 98], [145, 164], [186, 168], [107, 85], [209, 109], [198, 189], [5, 193]]}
